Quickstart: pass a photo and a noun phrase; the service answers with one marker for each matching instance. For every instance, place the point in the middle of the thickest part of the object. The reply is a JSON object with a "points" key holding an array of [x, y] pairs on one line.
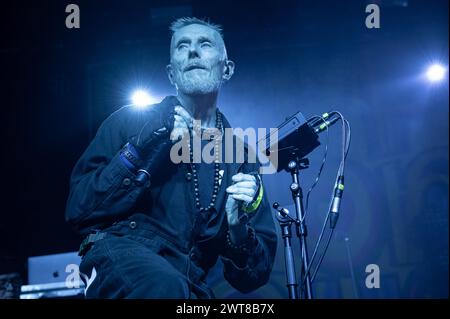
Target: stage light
{"points": [[142, 99], [436, 73]]}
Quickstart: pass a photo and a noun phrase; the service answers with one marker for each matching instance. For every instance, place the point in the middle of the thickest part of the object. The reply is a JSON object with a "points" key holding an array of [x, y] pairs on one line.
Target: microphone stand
{"points": [[297, 138], [285, 223], [294, 166]]}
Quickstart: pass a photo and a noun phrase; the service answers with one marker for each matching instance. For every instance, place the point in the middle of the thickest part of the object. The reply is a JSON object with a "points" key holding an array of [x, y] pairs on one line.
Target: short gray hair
{"points": [[185, 21]]}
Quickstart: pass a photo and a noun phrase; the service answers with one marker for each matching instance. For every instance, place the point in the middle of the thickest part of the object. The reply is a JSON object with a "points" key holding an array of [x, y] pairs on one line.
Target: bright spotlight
{"points": [[436, 73], [141, 98]]}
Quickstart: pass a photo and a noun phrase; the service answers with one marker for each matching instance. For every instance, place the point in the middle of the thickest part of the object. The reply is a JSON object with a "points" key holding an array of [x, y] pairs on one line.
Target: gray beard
{"points": [[196, 83]]}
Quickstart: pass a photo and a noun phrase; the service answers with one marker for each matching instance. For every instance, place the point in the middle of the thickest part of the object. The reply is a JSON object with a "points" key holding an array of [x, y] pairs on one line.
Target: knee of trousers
{"points": [[164, 285]]}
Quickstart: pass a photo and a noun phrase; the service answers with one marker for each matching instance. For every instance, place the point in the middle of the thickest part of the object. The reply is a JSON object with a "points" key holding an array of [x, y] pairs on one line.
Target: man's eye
{"points": [[206, 44], [182, 46]]}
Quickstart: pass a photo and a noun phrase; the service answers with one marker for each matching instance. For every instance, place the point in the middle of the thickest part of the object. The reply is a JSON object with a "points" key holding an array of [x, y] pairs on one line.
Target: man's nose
{"points": [[193, 52]]}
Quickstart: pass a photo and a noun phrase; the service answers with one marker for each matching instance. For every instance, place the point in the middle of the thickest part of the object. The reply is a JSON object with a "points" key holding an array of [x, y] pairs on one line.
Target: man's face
{"points": [[197, 60]]}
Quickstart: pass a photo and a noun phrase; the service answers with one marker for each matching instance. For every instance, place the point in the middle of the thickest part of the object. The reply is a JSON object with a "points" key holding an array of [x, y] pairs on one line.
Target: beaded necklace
{"points": [[219, 126]]}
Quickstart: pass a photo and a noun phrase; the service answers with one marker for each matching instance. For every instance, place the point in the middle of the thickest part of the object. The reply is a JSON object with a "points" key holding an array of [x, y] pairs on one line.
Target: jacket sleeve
{"points": [[101, 186], [249, 271]]}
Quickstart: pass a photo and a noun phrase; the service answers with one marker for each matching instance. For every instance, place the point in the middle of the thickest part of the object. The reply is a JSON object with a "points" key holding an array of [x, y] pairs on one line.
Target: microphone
{"points": [[321, 124], [336, 203], [322, 127]]}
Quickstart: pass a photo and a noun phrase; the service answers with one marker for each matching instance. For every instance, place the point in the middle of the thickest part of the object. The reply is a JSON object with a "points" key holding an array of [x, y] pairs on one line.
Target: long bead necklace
{"points": [[217, 143]]}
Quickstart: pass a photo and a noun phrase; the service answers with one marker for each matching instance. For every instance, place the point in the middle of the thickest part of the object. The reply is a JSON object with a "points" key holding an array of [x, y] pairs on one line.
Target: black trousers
{"points": [[134, 262]]}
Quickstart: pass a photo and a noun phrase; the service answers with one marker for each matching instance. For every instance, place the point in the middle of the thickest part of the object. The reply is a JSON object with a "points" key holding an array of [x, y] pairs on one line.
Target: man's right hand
{"points": [[158, 134], [156, 131], [183, 123]]}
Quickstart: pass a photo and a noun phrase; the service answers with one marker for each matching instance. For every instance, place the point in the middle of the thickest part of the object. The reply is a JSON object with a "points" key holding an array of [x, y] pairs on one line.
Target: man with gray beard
{"points": [[153, 228]]}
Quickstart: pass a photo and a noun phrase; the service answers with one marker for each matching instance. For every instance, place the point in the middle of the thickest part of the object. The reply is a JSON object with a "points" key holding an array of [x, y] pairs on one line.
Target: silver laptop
{"points": [[52, 268]]}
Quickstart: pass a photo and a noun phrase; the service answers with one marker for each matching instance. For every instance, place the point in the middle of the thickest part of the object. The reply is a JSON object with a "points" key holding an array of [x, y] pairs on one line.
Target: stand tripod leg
{"points": [[307, 292], [289, 261]]}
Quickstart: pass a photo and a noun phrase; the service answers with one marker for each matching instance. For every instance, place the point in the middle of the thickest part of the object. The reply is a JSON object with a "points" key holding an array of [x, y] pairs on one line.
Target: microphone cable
{"points": [[324, 158], [346, 137]]}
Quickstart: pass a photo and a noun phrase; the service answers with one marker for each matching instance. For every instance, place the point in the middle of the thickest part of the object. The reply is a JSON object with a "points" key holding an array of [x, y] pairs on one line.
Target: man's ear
{"points": [[228, 70], [170, 73]]}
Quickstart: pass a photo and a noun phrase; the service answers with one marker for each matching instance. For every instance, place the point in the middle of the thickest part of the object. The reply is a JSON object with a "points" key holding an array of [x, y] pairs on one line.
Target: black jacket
{"points": [[103, 192]]}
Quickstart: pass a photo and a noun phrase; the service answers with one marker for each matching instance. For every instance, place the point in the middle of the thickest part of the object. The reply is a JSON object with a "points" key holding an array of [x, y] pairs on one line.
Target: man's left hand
{"points": [[243, 189]]}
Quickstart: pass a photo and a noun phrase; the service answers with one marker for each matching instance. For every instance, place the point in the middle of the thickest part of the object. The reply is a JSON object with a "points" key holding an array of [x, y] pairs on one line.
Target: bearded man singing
{"points": [[153, 228]]}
